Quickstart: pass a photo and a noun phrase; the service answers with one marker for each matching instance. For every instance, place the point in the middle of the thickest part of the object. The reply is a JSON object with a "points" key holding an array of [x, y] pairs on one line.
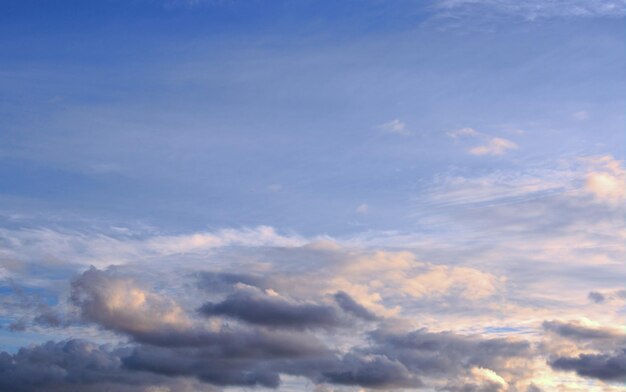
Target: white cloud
{"points": [[532, 9], [495, 146], [463, 132], [606, 179], [362, 209], [581, 115], [275, 188], [395, 126]]}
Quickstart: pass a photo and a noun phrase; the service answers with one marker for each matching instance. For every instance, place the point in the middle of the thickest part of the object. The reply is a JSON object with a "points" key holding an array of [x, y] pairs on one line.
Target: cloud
{"points": [[395, 127], [606, 179], [581, 115], [494, 146], [76, 366], [580, 332], [349, 305], [607, 361], [362, 209], [373, 371], [463, 132], [601, 366], [254, 306], [103, 250], [596, 297], [166, 341], [120, 304], [530, 10]]}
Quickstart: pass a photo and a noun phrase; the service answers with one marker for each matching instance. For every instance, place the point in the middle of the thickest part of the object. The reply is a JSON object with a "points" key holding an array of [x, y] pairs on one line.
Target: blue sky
{"points": [[475, 148]]}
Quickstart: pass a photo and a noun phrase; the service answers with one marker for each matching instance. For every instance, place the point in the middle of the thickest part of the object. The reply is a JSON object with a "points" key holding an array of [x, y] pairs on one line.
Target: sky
{"points": [[300, 195]]}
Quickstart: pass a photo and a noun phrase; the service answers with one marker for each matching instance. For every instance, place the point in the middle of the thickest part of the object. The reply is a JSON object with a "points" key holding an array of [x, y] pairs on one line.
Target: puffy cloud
{"points": [[119, 303], [170, 344], [606, 179]]}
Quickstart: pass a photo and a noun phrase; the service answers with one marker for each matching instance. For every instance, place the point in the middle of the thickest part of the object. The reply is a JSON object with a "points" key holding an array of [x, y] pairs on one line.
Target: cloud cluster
{"points": [[599, 352], [270, 336]]}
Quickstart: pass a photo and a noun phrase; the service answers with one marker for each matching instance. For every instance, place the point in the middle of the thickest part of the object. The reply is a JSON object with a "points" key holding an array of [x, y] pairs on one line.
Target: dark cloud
{"points": [[256, 307], [372, 372], [349, 305], [473, 387], [607, 367], [445, 353], [596, 336], [78, 365], [596, 297]]}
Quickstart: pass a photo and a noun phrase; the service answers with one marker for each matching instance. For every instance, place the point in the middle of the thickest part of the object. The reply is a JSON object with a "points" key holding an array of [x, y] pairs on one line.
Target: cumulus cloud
{"points": [[120, 303], [606, 179], [170, 345]]}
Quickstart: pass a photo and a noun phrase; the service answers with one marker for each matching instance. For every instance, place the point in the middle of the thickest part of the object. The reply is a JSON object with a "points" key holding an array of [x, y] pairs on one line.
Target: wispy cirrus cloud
{"points": [[494, 146], [534, 9]]}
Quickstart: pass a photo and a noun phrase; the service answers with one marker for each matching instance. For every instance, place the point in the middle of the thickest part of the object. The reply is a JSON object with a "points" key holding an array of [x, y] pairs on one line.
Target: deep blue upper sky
{"points": [[182, 115]]}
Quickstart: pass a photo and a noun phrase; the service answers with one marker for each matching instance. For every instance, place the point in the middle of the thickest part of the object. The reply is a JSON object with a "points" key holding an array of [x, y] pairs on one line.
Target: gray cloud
{"points": [[78, 365], [578, 332], [256, 307], [348, 304], [445, 353], [169, 344], [596, 297], [607, 367], [374, 372]]}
